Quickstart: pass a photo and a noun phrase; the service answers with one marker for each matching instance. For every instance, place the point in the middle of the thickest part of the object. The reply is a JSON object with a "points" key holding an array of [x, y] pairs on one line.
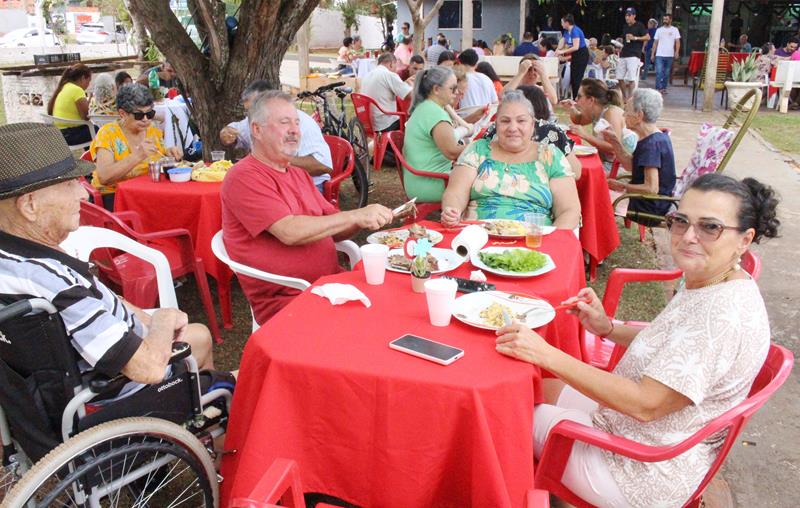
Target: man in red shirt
{"points": [[274, 219]]}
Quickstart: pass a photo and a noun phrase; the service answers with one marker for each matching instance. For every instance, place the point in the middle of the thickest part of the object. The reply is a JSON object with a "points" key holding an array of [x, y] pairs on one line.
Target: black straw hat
{"points": [[35, 155]]}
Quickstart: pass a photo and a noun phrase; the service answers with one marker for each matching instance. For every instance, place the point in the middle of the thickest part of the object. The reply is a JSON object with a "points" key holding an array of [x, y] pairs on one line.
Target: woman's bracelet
{"points": [[612, 328]]}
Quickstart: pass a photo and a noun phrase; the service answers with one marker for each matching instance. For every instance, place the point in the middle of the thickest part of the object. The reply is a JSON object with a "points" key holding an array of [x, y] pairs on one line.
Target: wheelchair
{"points": [[69, 440]]}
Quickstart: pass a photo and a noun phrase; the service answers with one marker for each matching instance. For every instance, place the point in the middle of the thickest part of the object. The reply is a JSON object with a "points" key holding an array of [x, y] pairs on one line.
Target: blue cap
{"points": [[630, 10]]}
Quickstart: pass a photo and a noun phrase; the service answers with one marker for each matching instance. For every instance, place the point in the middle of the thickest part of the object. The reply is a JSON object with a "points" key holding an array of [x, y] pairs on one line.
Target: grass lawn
{"points": [[780, 130]]}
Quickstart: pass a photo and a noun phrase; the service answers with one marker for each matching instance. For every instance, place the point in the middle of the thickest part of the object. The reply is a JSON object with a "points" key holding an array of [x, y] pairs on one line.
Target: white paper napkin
{"points": [[341, 293]]}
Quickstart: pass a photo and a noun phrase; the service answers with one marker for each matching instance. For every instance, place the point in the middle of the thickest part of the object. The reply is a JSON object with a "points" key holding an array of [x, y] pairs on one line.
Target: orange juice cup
{"points": [[534, 223]]}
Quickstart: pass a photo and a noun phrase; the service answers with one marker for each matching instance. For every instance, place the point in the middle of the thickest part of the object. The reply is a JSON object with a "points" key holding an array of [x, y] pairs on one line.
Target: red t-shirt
{"points": [[255, 196]]}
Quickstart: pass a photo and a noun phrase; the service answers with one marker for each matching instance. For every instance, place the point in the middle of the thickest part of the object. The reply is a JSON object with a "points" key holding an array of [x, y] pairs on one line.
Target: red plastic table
{"points": [[697, 57], [376, 427], [192, 205]]}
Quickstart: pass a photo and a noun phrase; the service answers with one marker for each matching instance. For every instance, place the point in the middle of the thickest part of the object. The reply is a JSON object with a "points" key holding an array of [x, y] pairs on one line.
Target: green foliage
{"points": [[350, 11], [419, 267], [152, 53], [745, 70]]}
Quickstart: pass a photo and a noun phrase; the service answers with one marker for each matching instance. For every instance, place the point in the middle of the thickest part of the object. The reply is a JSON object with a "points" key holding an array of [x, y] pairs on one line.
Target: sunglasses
{"points": [[138, 115], [706, 229]]}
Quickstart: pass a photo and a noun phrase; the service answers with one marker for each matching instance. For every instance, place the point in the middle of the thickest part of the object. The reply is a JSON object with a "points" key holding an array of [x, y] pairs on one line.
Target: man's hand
{"points": [[372, 217], [411, 79], [228, 135]]}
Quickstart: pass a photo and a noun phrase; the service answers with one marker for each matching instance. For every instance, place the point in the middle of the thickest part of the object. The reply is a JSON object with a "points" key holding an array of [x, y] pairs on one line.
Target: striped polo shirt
{"points": [[102, 330]]}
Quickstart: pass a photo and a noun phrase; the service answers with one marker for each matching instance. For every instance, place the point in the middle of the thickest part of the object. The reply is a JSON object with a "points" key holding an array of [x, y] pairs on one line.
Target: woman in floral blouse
{"points": [[512, 174]]}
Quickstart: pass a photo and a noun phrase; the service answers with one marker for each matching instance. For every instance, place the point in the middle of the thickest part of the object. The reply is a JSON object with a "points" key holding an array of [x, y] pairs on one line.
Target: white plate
{"points": [[467, 309], [584, 150], [476, 261], [448, 260], [434, 236]]}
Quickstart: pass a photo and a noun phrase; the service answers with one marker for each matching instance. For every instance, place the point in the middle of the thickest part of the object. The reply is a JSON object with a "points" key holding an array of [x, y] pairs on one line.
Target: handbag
{"points": [[194, 152]]}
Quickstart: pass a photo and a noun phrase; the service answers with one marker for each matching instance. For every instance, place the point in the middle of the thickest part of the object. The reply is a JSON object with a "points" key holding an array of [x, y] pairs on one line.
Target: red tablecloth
{"points": [[376, 427], [599, 234], [696, 60], [192, 205]]}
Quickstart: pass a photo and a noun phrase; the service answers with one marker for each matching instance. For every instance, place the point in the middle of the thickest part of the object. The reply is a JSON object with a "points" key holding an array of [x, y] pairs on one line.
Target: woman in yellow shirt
{"points": [[70, 103], [122, 149]]}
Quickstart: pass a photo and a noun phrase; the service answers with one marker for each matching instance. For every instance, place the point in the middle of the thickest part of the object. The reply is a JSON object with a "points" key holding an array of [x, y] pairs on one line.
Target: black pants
{"points": [[577, 68], [77, 135]]}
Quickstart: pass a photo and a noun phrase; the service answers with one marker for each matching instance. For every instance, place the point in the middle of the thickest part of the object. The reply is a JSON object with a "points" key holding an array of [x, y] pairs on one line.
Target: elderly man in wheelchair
{"points": [[106, 400]]}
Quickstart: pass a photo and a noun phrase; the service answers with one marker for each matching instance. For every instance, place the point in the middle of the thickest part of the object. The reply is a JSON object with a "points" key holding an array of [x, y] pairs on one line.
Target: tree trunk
{"points": [[139, 32], [215, 83], [420, 22]]}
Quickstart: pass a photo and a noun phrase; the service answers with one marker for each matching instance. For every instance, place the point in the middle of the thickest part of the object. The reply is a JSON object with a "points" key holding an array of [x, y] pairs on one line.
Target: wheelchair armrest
{"points": [[100, 383]]}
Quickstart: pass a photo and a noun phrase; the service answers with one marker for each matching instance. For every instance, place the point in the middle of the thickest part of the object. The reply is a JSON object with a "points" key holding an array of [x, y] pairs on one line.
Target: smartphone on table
{"points": [[427, 349]]}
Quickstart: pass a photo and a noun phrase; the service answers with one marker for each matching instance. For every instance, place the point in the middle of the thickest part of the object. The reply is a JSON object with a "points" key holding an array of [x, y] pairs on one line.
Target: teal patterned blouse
{"points": [[509, 191]]}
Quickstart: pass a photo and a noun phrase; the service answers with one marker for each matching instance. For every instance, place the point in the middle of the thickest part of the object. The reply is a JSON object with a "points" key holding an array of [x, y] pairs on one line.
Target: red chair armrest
{"points": [[429, 174], [280, 482], [621, 276], [538, 498], [131, 218]]}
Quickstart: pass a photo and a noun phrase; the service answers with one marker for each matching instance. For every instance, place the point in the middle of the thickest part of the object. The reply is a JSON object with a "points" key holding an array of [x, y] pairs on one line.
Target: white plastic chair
{"points": [[101, 120], [786, 77], [81, 242], [49, 119], [218, 248]]}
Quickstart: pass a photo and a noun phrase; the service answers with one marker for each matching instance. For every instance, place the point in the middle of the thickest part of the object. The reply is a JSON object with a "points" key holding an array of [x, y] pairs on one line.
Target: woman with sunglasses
{"points": [[122, 149], [429, 143], [696, 360]]}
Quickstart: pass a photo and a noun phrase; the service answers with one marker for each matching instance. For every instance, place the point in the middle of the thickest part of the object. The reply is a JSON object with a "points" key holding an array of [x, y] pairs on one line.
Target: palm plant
{"points": [[745, 70]]}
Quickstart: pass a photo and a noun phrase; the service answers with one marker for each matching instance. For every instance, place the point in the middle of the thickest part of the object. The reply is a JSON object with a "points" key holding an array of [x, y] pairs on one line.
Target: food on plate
{"points": [[505, 228], [395, 239], [403, 263], [418, 231], [493, 314], [514, 260]]}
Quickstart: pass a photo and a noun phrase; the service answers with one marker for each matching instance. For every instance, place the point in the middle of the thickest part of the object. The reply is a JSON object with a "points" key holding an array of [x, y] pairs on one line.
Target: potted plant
{"points": [[420, 272], [743, 78]]}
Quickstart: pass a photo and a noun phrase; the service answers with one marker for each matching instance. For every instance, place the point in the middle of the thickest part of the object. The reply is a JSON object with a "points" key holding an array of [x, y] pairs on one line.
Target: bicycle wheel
{"points": [[357, 137], [138, 461]]}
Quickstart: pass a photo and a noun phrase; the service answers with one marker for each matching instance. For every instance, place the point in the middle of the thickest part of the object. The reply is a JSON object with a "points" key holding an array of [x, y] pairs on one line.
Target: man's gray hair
{"points": [[133, 96], [103, 87], [259, 112], [516, 97], [649, 102], [386, 58]]}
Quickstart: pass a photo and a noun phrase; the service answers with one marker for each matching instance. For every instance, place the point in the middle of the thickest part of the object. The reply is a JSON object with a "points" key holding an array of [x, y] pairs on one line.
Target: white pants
{"points": [[586, 474]]}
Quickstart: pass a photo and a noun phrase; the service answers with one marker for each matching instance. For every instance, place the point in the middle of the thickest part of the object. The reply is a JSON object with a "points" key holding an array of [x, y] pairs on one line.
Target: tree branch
{"points": [[209, 17], [427, 19]]}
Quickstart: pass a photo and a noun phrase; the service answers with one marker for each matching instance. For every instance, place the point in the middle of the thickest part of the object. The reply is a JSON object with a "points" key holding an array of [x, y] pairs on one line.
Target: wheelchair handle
{"points": [[22, 307]]}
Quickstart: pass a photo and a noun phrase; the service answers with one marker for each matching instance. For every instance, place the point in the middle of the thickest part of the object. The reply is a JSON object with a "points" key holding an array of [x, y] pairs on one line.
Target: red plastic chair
{"points": [[562, 437], [137, 278], [343, 163], [423, 209], [605, 354], [94, 193], [403, 105], [280, 484], [362, 104]]}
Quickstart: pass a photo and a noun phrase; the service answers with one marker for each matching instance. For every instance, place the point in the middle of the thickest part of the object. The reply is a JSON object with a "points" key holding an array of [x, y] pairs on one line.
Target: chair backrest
{"points": [[50, 119], [751, 264], [396, 140], [713, 143], [343, 159], [101, 120], [362, 104], [403, 105], [86, 239], [751, 99]]}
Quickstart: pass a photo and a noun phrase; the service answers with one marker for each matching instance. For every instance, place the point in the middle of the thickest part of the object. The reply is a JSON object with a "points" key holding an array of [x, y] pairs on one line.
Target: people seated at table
{"points": [[384, 85], [69, 102], [430, 142], [652, 163], [696, 360], [313, 154], [273, 220], [511, 175], [39, 207], [446, 59], [526, 46], [123, 148], [531, 72], [434, 51], [104, 96], [357, 48], [404, 51], [344, 58], [486, 69], [596, 109], [790, 47], [122, 78], [416, 64], [480, 89], [167, 77]]}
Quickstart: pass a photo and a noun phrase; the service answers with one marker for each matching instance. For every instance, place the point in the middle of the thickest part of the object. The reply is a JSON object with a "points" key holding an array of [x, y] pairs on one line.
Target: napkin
{"points": [[478, 276], [341, 293]]}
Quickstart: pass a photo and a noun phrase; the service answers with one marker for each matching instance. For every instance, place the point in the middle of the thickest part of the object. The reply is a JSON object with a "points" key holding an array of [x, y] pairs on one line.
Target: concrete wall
{"points": [[25, 98], [499, 17], [24, 55], [327, 30]]}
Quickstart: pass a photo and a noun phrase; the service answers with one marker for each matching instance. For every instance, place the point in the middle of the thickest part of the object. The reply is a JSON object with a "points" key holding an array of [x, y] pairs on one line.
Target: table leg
{"points": [[224, 291]]}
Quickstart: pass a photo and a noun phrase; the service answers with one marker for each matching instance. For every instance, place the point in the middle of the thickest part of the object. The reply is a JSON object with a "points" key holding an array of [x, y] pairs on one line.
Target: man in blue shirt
{"points": [[527, 46]]}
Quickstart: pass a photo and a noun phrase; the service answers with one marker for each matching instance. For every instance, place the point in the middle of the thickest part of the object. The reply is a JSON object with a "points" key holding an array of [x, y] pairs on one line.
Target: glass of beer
{"points": [[534, 223]]}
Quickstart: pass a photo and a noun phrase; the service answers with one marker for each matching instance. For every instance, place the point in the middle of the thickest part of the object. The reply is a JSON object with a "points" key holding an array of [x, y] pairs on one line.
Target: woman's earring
{"points": [[738, 266]]}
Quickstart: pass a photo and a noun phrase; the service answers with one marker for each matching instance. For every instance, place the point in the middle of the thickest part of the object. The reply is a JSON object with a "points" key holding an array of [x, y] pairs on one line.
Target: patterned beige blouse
{"points": [[709, 345]]}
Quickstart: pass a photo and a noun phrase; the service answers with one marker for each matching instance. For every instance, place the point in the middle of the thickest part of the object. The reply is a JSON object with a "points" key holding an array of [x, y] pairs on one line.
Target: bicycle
{"points": [[332, 119]]}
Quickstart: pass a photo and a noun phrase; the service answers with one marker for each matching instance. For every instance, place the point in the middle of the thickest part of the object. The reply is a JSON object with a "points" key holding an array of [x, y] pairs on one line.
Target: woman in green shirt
{"points": [[430, 142], [512, 174]]}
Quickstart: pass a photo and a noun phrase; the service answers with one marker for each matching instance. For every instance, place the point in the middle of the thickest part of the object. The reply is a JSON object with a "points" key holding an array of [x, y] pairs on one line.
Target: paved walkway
{"points": [[768, 473]]}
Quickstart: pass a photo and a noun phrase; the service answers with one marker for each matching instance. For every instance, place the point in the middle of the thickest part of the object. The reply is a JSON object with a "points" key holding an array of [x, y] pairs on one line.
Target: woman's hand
{"points": [[616, 185], [591, 314], [567, 103], [609, 136], [522, 343], [578, 130], [176, 152], [145, 150], [450, 217], [525, 66]]}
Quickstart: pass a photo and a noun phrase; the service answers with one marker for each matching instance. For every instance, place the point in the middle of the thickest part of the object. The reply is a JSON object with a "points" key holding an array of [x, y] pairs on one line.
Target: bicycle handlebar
{"points": [[323, 89]]}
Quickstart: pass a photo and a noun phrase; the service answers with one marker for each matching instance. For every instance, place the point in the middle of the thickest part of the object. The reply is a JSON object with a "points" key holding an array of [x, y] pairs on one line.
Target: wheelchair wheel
{"points": [[128, 462]]}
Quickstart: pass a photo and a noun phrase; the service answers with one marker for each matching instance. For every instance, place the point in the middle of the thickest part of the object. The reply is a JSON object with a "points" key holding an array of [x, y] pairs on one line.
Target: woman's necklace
{"points": [[719, 278]]}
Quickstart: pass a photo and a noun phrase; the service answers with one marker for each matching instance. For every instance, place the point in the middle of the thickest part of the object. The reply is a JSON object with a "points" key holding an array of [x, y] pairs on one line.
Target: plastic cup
{"points": [[217, 155], [374, 256], [441, 294], [534, 223]]}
